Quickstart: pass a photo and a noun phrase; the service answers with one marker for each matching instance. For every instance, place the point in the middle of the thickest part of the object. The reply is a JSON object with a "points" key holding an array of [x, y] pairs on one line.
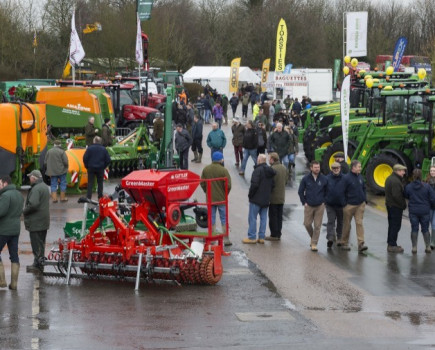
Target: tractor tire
{"points": [[328, 156], [320, 142], [378, 169], [161, 107]]}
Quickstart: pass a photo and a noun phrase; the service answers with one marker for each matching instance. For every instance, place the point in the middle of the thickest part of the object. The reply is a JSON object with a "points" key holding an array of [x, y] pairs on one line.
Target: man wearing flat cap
{"points": [[37, 218], [213, 171], [395, 203], [339, 158]]}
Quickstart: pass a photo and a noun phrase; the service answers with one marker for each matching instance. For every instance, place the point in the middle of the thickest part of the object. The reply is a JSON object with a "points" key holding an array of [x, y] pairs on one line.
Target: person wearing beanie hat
{"points": [[106, 133], [183, 141], [212, 171]]}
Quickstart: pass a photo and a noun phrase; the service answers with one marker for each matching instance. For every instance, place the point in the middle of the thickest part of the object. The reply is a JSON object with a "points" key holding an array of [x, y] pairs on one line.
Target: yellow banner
{"points": [[281, 44], [264, 73], [234, 74]]}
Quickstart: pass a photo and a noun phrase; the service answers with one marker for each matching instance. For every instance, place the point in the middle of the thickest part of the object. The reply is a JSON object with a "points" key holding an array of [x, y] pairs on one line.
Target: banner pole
{"points": [[74, 74]]}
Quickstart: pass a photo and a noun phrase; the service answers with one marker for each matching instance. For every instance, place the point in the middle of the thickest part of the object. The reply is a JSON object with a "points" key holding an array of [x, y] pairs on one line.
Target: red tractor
{"points": [[153, 100]]}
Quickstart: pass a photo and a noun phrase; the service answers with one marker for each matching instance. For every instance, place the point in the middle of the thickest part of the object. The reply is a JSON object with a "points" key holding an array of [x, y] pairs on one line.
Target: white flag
{"points": [[76, 52], [356, 34], [139, 50], [345, 106]]}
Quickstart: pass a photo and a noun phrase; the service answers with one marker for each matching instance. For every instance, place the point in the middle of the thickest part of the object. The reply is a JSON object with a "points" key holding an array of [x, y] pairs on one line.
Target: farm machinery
{"points": [[149, 246]]}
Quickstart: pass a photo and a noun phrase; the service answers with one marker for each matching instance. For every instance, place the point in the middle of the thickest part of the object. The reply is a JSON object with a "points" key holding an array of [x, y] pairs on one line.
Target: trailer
{"points": [[312, 82]]}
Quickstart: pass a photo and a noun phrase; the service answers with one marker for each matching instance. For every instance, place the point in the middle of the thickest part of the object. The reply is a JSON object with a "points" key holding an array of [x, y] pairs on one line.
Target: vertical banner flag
{"points": [[288, 68], [144, 8], [264, 73], [76, 52], [356, 34], [35, 40], [234, 74], [399, 50], [281, 44], [337, 65], [345, 106], [139, 49]]}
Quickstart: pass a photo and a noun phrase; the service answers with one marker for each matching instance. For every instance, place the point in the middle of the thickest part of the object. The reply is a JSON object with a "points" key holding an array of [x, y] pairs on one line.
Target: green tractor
{"points": [[331, 136]]}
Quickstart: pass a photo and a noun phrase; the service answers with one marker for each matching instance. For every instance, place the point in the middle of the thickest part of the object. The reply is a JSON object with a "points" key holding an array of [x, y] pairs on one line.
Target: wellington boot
{"points": [[426, 236], [432, 240], [195, 156], [2, 276], [199, 158], [414, 239], [15, 269], [54, 197], [63, 197]]}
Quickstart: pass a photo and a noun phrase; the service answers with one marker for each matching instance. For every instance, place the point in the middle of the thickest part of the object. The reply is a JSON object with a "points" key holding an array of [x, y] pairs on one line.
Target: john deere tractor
{"points": [[406, 138]]}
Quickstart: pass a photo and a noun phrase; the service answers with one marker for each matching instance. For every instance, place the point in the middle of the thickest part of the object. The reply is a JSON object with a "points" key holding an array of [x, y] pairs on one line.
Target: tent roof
{"points": [[219, 73]]}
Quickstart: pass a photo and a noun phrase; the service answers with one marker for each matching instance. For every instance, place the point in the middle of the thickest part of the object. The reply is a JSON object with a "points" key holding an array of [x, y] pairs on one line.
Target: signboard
{"points": [[356, 34], [144, 8], [281, 45]]}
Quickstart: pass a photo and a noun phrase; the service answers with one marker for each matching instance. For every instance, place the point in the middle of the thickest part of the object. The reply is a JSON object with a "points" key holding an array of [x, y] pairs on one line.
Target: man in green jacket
{"points": [[56, 163], [90, 131], [213, 171], [277, 198], [37, 219], [11, 207]]}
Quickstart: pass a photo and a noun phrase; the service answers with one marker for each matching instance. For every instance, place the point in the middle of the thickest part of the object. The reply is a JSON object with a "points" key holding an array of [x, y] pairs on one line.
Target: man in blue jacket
{"points": [[354, 190], [96, 159], [312, 191], [334, 206]]}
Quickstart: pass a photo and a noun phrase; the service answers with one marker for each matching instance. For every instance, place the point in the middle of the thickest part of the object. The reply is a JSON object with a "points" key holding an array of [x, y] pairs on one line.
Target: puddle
{"points": [[289, 305], [414, 318]]}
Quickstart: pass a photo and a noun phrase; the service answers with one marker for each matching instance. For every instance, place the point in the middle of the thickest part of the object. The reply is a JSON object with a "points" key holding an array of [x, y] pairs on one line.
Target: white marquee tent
{"points": [[220, 77]]}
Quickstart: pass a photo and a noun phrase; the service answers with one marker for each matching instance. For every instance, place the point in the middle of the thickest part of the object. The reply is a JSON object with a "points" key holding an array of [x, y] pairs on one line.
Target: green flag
{"points": [[144, 8], [337, 64]]}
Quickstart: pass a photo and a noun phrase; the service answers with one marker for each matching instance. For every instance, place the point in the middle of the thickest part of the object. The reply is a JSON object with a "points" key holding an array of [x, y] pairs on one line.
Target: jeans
{"points": [[284, 161], [334, 214], [37, 240], [99, 174], [55, 179], [219, 121], [254, 210], [215, 150], [12, 243], [275, 219], [394, 224], [291, 158], [417, 220], [207, 114], [234, 109], [249, 153], [222, 214]]}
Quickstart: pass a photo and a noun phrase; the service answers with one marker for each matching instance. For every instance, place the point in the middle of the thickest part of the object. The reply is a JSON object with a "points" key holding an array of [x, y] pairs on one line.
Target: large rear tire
{"points": [[330, 152], [378, 169]]}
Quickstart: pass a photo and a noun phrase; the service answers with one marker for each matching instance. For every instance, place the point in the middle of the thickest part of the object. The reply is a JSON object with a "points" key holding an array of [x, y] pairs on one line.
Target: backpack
{"points": [[260, 139]]}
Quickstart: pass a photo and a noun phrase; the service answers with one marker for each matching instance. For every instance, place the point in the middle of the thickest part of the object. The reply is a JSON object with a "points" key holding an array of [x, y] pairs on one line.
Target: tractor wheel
{"points": [[378, 169], [161, 107], [328, 156], [320, 142]]}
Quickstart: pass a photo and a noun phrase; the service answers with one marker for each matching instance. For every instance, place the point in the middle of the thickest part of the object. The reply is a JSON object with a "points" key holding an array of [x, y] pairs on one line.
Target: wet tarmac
{"points": [[279, 295]]}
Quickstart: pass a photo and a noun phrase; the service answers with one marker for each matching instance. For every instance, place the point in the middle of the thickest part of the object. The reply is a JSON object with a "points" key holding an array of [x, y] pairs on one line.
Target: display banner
{"points": [[281, 44], [234, 74], [399, 50], [345, 106], [337, 65], [356, 34], [264, 73]]}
